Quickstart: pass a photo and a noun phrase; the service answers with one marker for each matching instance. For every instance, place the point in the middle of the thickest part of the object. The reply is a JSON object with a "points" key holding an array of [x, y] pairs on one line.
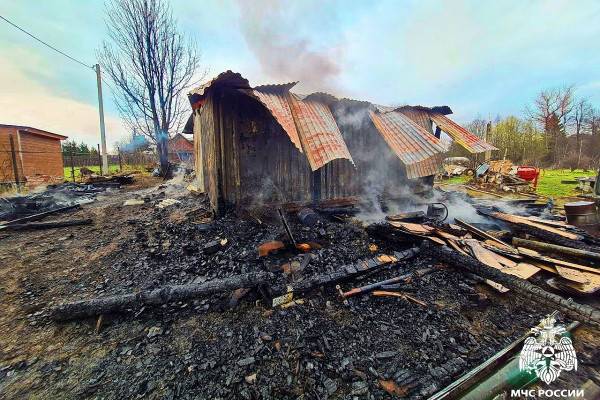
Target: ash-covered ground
{"points": [[219, 348]]}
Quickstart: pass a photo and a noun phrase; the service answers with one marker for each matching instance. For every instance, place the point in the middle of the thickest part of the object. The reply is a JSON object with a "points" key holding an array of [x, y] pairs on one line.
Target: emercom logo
{"points": [[547, 353], [570, 393]]}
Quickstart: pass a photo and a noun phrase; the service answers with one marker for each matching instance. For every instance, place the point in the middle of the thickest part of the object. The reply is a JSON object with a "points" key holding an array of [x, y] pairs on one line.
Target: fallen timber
{"points": [[521, 225], [346, 272], [45, 225], [118, 303], [581, 312], [171, 293], [553, 248], [38, 216]]}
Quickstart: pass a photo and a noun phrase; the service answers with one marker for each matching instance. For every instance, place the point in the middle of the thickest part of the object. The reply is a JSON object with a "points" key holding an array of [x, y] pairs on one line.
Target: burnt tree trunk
{"points": [[167, 294], [523, 288]]}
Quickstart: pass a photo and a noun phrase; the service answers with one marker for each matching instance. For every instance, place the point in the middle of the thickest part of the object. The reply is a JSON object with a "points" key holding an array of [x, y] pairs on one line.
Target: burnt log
{"points": [[38, 216], [555, 249], [521, 287], [166, 294], [45, 225]]}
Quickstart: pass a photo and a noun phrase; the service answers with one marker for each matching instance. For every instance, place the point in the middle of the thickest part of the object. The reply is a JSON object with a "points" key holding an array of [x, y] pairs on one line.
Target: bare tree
{"points": [[151, 64], [581, 116], [552, 106]]}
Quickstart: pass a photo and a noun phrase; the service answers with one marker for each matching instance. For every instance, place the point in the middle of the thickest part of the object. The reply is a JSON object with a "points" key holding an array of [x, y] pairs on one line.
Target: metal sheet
{"points": [[463, 137], [274, 98], [320, 136], [420, 117], [420, 151]]}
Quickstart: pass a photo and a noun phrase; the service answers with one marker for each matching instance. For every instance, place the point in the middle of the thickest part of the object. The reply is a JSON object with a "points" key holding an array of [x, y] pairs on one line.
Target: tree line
{"points": [[559, 129], [72, 147]]}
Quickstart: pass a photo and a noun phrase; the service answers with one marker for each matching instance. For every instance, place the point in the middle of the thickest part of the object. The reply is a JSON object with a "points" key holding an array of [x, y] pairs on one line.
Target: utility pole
{"points": [[104, 166]]}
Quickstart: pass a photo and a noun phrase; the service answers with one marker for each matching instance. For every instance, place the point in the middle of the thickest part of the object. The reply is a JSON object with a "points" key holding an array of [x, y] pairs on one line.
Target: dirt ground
{"points": [[211, 348]]}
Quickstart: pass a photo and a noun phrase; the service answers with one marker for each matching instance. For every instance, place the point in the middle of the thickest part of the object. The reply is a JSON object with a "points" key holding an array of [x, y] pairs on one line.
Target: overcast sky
{"points": [[482, 58]]}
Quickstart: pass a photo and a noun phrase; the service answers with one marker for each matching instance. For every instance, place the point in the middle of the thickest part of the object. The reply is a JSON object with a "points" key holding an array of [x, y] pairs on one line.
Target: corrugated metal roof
{"points": [[466, 139], [321, 138], [276, 101], [420, 151]]}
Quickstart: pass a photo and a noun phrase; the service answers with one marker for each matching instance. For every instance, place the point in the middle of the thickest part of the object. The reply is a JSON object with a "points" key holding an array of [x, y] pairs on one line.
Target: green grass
{"points": [[455, 180], [549, 183], [113, 169]]}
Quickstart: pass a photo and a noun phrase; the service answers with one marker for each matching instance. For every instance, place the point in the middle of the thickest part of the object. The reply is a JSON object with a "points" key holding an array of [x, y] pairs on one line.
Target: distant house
{"points": [[35, 156], [181, 149]]}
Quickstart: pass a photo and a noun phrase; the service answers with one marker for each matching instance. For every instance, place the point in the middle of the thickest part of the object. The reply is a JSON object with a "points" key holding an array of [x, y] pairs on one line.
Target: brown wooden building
{"points": [[266, 144], [34, 156], [181, 149]]}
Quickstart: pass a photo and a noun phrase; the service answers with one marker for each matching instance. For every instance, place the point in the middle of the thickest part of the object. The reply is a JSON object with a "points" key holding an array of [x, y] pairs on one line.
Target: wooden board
{"points": [[515, 219], [491, 259], [417, 229], [535, 255]]}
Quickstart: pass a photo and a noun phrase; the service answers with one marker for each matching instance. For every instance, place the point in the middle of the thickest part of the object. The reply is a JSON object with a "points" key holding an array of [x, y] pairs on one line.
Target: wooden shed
{"points": [[263, 145], [30, 155]]}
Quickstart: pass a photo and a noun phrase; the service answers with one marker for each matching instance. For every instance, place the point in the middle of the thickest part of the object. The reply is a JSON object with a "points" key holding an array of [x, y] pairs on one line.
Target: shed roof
{"points": [[460, 135], [309, 124], [35, 131], [420, 151]]}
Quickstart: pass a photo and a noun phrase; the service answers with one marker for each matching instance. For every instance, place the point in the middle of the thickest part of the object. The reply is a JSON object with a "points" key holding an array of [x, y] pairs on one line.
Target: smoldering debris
{"points": [[288, 332]]}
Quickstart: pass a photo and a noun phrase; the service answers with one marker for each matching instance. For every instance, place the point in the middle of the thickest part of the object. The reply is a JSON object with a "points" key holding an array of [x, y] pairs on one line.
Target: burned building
{"points": [[268, 145]]}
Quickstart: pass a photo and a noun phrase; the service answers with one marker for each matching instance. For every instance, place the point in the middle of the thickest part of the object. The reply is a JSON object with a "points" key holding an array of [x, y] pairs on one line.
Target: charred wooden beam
{"points": [[45, 225], [166, 294], [346, 272], [581, 312], [288, 231], [38, 216], [556, 249]]}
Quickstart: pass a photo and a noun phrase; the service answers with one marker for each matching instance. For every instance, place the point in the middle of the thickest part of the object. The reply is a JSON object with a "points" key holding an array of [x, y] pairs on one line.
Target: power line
{"points": [[46, 44]]}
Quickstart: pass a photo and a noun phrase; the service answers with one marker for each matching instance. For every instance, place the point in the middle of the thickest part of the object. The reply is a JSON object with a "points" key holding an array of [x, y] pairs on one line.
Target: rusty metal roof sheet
{"points": [[276, 101], [320, 136], [420, 151], [466, 139]]}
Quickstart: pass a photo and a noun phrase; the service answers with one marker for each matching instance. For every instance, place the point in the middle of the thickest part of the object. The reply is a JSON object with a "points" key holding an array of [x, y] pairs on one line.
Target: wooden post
{"points": [[72, 166], [100, 160], [487, 138], [14, 163]]}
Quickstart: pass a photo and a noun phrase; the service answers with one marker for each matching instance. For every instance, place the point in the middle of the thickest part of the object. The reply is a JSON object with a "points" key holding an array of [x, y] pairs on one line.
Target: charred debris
{"points": [[438, 259], [314, 256]]}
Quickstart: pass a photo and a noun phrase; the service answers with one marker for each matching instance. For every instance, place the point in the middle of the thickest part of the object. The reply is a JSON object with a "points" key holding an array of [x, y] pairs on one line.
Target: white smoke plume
{"points": [[270, 30]]}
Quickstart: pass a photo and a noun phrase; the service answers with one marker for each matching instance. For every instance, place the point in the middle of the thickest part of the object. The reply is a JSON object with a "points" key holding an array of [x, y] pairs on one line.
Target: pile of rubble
{"points": [[503, 176], [18, 212]]}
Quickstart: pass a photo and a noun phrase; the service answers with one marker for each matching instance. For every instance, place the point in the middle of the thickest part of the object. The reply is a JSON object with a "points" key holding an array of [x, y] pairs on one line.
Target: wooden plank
{"points": [[535, 255], [483, 235], [491, 259], [418, 229], [515, 219]]}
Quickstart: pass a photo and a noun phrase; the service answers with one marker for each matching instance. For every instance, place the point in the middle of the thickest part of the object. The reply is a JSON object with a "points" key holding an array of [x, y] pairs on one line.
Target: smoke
{"points": [[386, 190], [136, 142], [271, 32]]}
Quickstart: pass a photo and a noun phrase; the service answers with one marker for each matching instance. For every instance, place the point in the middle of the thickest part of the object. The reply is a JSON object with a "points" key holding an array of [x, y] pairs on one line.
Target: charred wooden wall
{"points": [[245, 157]]}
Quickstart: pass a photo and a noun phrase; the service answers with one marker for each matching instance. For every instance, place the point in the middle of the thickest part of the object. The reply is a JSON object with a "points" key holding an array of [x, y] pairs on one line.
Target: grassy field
{"points": [[549, 184], [113, 169]]}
